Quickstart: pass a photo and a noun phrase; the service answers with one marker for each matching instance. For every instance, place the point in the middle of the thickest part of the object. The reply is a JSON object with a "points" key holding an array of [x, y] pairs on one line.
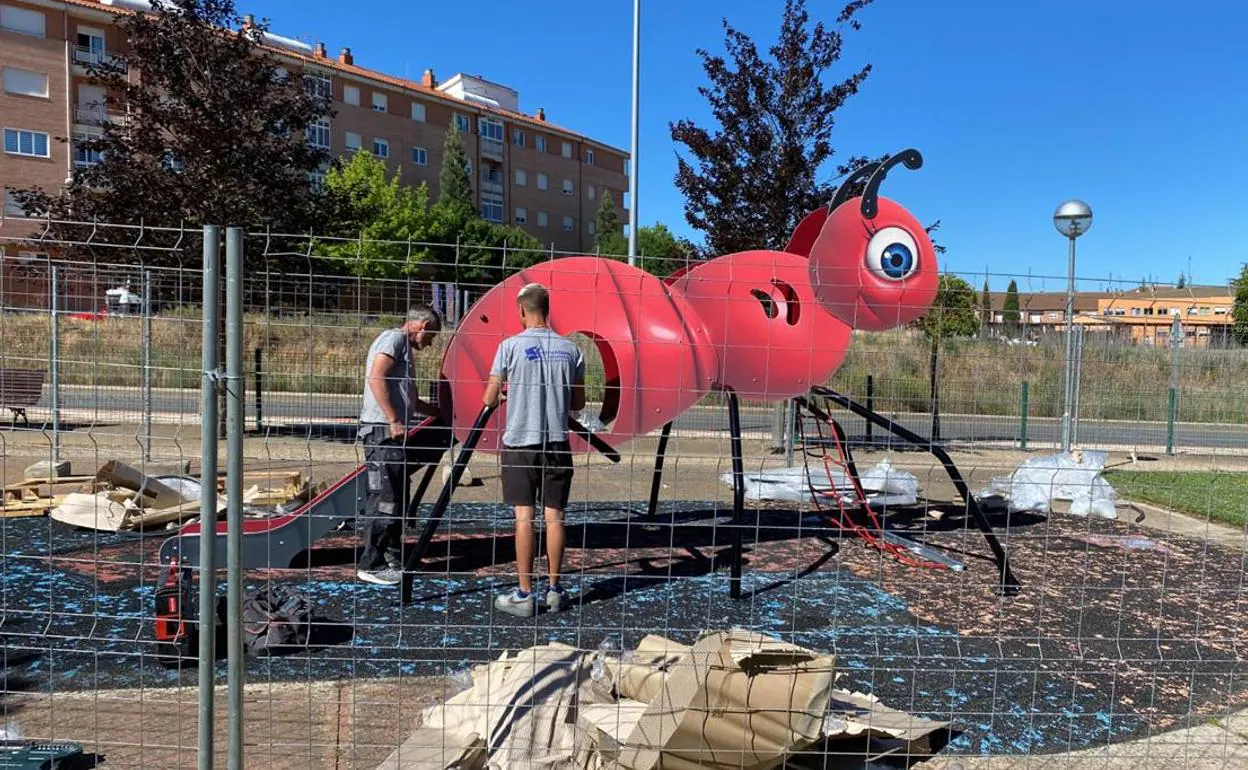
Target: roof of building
{"points": [[381, 77], [1089, 300]]}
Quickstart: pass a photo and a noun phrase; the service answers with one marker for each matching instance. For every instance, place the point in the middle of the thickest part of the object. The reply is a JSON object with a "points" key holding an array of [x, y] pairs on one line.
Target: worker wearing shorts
{"points": [[545, 375]]}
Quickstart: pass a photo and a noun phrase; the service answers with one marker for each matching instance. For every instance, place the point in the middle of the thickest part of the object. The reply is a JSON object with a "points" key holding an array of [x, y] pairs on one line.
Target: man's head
{"points": [[534, 303], [421, 326]]}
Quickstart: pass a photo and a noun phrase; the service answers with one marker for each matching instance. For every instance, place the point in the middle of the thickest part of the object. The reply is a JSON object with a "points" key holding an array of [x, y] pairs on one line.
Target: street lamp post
{"points": [[1072, 219], [632, 161]]}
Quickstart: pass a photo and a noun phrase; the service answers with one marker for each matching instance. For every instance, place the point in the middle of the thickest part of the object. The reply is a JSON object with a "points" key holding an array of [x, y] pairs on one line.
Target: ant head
{"points": [[873, 265]]}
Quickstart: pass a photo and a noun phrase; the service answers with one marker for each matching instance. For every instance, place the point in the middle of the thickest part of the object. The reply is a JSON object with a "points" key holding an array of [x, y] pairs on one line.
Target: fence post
{"points": [[1022, 427], [147, 366], [777, 428], [208, 494], [55, 354], [259, 356], [1076, 386], [870, 404], [1176, 339], [234, 487], [790, 431]]}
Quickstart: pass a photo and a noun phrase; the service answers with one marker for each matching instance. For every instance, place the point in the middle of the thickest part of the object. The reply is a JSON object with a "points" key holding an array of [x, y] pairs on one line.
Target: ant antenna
{"points": [[843, 193], [871, 197]]}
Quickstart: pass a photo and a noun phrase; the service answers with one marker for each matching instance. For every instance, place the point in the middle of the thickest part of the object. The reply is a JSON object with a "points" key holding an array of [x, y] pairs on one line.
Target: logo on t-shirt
{"points": [[533, 354]]}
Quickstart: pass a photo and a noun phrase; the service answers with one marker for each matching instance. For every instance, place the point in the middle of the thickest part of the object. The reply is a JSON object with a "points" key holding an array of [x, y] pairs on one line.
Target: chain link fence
{"points": [[1124, 641]]}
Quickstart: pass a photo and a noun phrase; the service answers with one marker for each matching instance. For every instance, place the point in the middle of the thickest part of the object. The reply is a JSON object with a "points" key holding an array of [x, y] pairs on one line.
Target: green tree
{"points": [[662, 253], [748, 182], [608, 236], [215, 131], [1009, 309], [454, 182], [954, 313], [1239, 308], [985, 304], [1181, 283], [375, 218]]}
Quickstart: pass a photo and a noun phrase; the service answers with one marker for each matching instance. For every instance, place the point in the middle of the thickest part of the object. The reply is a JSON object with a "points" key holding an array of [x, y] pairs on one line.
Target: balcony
{"points": [[92, 57], [491, 148], [492, 181], [96, 116]]}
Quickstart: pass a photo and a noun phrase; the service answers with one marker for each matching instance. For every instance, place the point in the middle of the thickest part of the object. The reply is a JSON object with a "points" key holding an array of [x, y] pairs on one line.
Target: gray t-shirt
{"points": [[393, 343], [540, 367]]}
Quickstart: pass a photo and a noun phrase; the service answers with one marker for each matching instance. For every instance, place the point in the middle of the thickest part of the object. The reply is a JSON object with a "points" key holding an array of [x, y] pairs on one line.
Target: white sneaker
{"points": [[386, 576], [514, 604]]}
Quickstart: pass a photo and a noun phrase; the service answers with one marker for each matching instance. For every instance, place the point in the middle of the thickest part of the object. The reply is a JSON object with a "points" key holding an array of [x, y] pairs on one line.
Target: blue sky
{"points": [[1136, 107]]}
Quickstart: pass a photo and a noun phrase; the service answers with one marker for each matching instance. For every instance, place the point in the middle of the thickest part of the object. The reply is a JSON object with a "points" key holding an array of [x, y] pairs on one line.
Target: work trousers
{"points": [[389, 465]]}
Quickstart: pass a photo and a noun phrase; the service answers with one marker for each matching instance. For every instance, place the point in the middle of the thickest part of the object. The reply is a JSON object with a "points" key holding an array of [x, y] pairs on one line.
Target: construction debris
{"points": [[884, 484], [48, 469], [734, 699], [1074, 476], [120, 497]]}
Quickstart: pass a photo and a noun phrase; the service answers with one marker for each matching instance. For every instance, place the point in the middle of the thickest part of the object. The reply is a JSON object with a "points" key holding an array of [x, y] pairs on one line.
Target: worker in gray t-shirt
{"points": [[545, 378], [392, 450]]}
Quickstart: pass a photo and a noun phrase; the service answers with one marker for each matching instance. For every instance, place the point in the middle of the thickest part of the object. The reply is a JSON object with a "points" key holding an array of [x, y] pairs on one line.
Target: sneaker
{"points": [[556, 598], [386, 576], [515, 603], [394, 560]]}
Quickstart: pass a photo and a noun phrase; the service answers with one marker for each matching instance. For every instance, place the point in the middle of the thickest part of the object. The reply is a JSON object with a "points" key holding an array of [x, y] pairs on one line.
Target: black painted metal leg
{"points": [[1008, 585], [413, 505], [738, 493], [414, 556], [657, 481]]}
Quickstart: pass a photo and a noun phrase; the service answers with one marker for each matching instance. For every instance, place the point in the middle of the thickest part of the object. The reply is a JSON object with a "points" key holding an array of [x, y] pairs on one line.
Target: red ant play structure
{"points": [[859, 263]]}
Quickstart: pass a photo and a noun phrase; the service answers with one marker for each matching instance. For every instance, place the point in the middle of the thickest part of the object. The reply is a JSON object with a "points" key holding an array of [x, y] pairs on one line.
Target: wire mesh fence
{"points": [[819, 525]]}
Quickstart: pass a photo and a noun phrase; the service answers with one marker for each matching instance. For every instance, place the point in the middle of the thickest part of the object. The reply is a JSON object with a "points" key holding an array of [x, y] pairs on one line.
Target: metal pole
{"points": [[259, 389], [235, 386], [1022, 422], [790, 431], [1077, 389], [1070, 323], [208, 494], [870, 403], [633, 222], [147, 366], [1176, 339], [55, 354]]}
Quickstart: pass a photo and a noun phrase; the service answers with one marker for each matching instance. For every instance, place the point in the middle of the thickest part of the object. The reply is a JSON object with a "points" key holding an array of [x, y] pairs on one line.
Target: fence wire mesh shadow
{"points": [[1124, 641]]}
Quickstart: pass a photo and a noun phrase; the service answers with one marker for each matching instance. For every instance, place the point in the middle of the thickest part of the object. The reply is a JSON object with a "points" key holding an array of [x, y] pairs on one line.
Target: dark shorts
{"points": [[530, 470]]}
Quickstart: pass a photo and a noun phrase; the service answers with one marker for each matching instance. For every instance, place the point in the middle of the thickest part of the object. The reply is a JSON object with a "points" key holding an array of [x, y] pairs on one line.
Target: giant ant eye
{"points": [[892, 254]]}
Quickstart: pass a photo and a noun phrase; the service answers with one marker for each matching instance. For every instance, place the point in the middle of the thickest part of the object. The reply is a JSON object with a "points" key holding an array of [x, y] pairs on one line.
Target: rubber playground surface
{"points": [[1119, 632]]}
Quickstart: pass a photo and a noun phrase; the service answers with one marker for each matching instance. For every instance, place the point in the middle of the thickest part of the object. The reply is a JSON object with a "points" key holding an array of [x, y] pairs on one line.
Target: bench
{"points": [[19, 389]]}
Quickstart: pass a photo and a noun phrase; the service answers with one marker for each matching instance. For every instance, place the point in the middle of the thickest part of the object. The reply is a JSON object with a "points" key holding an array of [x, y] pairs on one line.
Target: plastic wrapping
{"points": [[884, 483], [1068, 476]]}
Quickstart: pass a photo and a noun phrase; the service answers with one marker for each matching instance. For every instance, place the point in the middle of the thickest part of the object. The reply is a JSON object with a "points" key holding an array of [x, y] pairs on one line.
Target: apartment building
{"points": [[525, 170], [1140, 316]]}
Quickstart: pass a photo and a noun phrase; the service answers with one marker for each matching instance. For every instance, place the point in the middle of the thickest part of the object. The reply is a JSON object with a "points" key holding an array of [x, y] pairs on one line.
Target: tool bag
{"points": [[275, 617]]}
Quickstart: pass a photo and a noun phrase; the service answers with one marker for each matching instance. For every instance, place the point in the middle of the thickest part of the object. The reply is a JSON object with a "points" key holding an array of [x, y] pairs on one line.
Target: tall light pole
{"points": [[632, 160], [1072, 219]]}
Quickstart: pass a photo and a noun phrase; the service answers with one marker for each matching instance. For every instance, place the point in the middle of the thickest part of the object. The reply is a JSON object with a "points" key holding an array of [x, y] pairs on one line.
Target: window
{"points": [[381, 148], [89, 46], [420, 156], [591, 226], [461, 124], [522, 216], [543, 181], [568, 187], [351, 95], [567, 149], [316, 180], [522, 177], [418, 111], [491, 208], [318, 133], [592, 192], [569, 224], [317, 84], [590, 159], [354, 141], [22, 20], [490, 129], [517, 137], [31, 143], [626, 200], [12, 207], [543, 219], [84, 158], [380, 102], [540, 143], [25, 82]]}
